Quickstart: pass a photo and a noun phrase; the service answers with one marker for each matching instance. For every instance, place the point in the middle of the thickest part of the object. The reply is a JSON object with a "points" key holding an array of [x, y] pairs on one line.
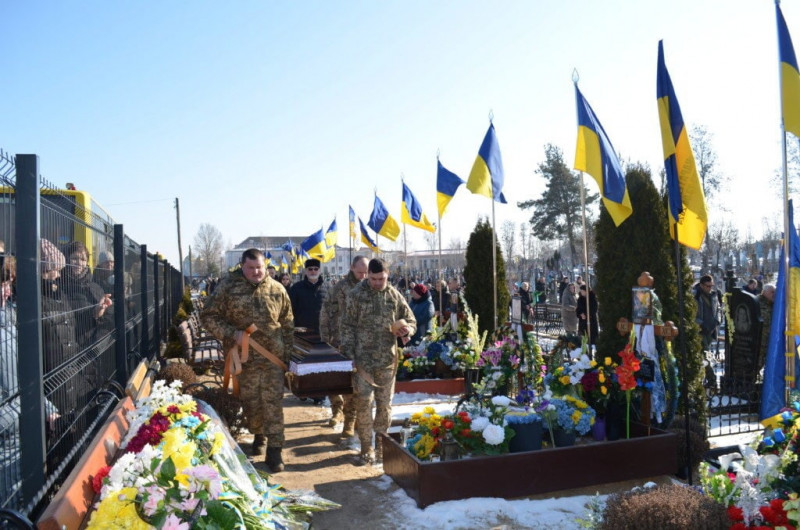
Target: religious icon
{"points": [[642, 305]]}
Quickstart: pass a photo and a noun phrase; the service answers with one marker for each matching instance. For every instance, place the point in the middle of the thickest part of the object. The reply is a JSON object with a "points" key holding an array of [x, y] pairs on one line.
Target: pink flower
{"points": [[173, 523]]}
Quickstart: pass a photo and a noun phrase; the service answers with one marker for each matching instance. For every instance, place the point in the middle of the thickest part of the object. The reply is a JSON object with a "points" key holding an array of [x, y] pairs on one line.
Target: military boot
{"points": [[274, 459], [336, 417], [349, 429], [259, 445]]}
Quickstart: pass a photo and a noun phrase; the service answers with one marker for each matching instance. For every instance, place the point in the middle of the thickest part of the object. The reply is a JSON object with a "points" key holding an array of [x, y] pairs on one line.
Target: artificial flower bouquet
{"points": [[179, 469], [760, 489], [500, 361], [414, 361], [600, 385], [564, 378], [570, 414]]}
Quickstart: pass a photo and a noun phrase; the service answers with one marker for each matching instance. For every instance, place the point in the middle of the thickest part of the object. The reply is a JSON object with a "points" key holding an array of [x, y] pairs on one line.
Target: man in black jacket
{"points": [[307, 296]]}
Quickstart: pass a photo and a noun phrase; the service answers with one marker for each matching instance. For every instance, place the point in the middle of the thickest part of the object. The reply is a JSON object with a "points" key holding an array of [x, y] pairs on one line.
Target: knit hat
{"points": [[104, 257], [312, 262], [52, 258], [420, 289]]}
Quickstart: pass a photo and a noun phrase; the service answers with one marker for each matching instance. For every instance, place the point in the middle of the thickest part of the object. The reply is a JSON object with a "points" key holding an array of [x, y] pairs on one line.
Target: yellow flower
{"points": [[177, 447], [607, 361], [424, 446], [601, 377], [219, 440], [118, 511], [429, 410], [593, 363], [603, 390], [576, 417], [407, 363], [564, 380]]}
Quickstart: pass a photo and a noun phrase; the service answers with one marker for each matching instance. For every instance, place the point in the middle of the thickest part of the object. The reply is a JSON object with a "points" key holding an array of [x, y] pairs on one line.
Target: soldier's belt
{"points": [[234, 360]]}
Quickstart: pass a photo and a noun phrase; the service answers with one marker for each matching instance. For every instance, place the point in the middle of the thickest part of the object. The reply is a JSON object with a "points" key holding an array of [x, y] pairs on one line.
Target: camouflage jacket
{"points": [[366, 325], [237, 303], [333, 308]]}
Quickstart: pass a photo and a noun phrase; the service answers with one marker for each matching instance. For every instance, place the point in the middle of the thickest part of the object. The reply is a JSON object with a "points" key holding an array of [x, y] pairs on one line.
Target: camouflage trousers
{"points": [[344, 403], [382, 394], [261, 394]]}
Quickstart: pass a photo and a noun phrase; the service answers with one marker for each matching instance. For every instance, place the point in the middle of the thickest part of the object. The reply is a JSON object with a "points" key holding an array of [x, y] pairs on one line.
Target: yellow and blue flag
{"points": [[411, 211], [595, 155], [486, 177], [314, 245], [790, 78], [365, 237], [447, 183], [382, 222], [284, 264], [773, 396], [687, 203], [352, 224], [332, 234]]}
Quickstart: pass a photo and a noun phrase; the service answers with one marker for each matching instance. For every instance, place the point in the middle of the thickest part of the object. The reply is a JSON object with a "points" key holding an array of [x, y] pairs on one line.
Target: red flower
{"points": [[466, 433], [735, 513], [97, 480], [173, 409], [435, 432], [448, 424]]}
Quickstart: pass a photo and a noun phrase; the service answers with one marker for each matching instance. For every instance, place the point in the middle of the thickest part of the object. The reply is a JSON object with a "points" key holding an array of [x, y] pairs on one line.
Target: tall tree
{"points": [[706, 160], [478, 278], [557, 214], [507, 237], [208, 249], [642, 243], [432, 240]]}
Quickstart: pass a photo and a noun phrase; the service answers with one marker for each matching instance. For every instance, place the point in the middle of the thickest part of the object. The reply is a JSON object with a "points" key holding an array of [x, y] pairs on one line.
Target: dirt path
{"points": [[317, 460]]}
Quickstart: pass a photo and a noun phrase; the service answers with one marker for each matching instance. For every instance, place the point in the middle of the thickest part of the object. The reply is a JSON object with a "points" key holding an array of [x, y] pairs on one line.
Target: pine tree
{"points": [[478, 278], [557, 214], [642, 243]]}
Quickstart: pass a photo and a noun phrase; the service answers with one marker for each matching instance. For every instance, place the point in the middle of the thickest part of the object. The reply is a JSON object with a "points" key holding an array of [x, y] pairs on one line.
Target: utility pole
{"points": [[180, 248], [190, 262]]}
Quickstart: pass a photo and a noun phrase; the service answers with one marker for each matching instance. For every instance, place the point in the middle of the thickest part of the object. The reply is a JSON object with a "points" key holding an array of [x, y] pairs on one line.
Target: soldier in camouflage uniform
{"points": [[249, 296], [329, 330], [375, 317]]}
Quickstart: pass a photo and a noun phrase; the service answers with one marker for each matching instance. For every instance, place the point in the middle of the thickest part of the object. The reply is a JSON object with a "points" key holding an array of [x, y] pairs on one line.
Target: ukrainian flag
{"points": [[687, 203], [411, 211], [773, 393], [486, 177], [382, 222], [595, 155], [366, 239], [447, 183], [352, 224], [790, 78], [284, 264]]}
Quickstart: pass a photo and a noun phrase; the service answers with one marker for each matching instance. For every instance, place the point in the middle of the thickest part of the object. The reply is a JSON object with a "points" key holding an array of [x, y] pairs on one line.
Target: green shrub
{"points": [[478, 277]]}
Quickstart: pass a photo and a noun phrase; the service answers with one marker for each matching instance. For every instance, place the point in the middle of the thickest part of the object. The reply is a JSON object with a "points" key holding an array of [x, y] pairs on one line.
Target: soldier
{"points": [[329, 330], [249, 296], [375, 317]]}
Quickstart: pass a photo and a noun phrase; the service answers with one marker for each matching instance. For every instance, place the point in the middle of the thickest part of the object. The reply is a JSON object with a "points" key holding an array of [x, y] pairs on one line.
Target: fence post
{"points": [[145, 310], [168, 310], [29, 317], [156, 303], [120, 306]]}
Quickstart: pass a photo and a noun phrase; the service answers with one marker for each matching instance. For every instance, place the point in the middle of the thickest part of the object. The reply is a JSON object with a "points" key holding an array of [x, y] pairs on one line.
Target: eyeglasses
{"points": [[312, 268]]}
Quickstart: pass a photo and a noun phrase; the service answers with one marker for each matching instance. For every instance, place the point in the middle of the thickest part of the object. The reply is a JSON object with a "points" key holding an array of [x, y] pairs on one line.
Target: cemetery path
{"points": [[316, 460]]}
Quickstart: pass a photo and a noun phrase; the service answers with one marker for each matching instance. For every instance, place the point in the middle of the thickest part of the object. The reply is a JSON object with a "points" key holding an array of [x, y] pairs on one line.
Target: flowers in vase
{"points": [[570, 414]]}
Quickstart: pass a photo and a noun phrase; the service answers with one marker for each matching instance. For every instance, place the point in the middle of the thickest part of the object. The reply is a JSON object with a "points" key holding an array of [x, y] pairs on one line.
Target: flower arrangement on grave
{"points": [[760, 490], [181, 470], [501, 360], [570, 414], [533, 368], [599, 385], [565, 379], [626, 378], [432, 429], [414, 360], [488, 418]]}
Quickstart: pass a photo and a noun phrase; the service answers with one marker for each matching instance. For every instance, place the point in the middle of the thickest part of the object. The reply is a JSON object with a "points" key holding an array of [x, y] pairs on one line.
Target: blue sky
{"points": [[269, 118]]}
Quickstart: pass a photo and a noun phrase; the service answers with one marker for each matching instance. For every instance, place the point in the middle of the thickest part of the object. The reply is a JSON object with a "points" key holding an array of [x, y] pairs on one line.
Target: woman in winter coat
{"points": [[92, 307], [422, 307], [580, 311], [569, 304]]}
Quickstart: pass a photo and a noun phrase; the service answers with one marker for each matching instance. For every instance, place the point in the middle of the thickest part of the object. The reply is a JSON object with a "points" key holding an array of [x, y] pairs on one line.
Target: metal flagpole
{"points": [[441, 272], [684, 365], [405, 258], [789, 382], [494, 267], [586, 265]]}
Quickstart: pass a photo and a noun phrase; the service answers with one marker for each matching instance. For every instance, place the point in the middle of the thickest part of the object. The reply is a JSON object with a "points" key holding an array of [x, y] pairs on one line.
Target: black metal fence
{"points": [[80, 304]]}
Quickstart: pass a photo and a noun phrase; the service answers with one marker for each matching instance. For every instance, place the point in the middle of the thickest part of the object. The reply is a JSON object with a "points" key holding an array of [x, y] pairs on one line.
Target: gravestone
{"points": [[741, 361]]}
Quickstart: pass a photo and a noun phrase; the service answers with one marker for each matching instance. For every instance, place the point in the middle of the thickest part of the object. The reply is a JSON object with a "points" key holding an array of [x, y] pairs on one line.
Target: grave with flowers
{"points": [[552, 417], [177, 467]]}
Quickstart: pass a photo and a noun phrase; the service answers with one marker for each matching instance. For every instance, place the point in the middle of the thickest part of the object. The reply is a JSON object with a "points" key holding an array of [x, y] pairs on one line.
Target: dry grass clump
{"points": [[178, 372], [668, 507]]}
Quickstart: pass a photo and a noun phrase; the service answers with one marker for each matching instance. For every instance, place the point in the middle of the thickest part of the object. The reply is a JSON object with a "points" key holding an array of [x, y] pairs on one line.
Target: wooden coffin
{"points": [[317, 369]]}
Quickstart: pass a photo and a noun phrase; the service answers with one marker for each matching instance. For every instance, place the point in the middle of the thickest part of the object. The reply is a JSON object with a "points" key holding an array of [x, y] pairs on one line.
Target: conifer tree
{"points": [[478, 278], [642, 243]]}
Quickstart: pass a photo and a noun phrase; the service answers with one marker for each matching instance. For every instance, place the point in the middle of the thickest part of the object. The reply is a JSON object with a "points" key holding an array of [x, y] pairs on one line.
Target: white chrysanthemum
{"points": [[479, 423], [494, 434], [576, 353], [497, 375], [501, 401]]}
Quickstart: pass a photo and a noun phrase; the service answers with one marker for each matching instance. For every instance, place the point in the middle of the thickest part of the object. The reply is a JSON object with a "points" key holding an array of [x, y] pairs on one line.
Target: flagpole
{"points": [[441, 272], [684, 365], [789, 382], [494, 266], [405, 258], [586, 265]]}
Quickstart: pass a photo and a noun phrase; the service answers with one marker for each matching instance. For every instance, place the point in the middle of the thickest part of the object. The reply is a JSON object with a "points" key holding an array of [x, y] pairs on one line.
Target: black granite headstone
{"points": [[741, 366]]}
